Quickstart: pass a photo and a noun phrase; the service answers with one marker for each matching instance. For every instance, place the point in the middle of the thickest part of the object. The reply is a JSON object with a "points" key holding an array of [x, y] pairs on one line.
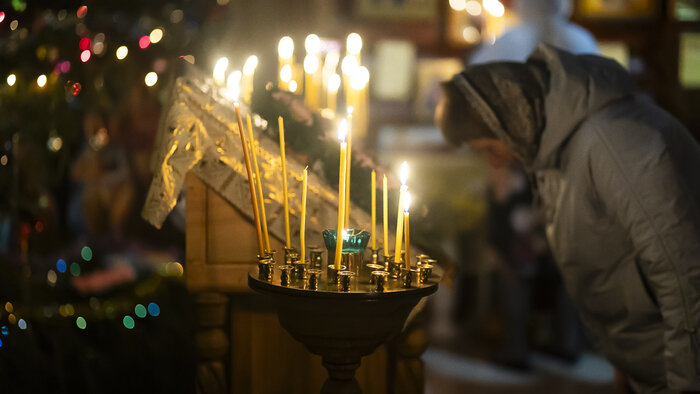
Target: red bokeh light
{"points": [[82, 11], [2, 16], [84, 43], [75, 89], [39, 226], [144, 42], [85, 56]]}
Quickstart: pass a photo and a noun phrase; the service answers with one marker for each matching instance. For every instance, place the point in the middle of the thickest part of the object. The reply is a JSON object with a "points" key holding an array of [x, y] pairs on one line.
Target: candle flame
{"points": [[311, 63], [233, 84], [334, 83], [285, 49], [403, 173], [250, 64], [354, 43], [360, 78], [350, 109], [407, 201], [343, 130], [349, 64], [293, 86], [286, 73], [220, 70], [312, 44]]}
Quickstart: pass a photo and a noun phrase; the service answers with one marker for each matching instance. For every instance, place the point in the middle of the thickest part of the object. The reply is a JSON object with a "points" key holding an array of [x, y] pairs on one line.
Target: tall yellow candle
{"points": [[348, 168], [403, 176], [258, 179], [333, 86], [342, 133], [253, 198], [285, 52], [385, 214], [406, 207], [302, 230], [373, 193], [285, 197]]}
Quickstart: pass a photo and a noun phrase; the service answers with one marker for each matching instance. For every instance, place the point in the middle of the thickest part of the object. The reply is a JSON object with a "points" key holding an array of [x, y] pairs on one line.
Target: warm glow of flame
{"points": [[349, 64], [360, 78], [312, 44], [293, 86], [407, 201], [11, 79], [494, 7], [220, 70], [286, 73], [403, 173], [250, 64], [233, 84], [334, 83], [343, 130], [354, 43], [311, 63], [285, 49]]}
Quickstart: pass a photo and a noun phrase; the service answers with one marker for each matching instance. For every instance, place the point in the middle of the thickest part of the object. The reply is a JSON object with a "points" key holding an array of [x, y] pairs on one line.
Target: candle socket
{"points": [[315, 257], [332, 274], [395, 267], [299, 269], [290, 255], [421, 258], [426, 271], [345, 277], [353, 261], [374, 255], [285, 275], [407, 278], [270, 255], [314, 277], [373, 267], [265, 269], [378, 279]]}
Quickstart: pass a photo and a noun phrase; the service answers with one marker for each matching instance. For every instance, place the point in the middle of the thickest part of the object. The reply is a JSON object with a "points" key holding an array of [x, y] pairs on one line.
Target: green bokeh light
{"points": [[86, 253], [80, 322], [128, 322], [75, 269], [140, 311]]}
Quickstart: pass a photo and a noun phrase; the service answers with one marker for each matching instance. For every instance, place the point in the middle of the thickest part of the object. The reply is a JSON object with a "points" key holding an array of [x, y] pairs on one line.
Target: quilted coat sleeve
{"points": [[639, 181]]}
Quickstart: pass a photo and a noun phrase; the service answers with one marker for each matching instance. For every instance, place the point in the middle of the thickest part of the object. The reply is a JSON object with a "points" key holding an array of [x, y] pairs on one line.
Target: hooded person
{"points": [[540, 21], [618, 179]]}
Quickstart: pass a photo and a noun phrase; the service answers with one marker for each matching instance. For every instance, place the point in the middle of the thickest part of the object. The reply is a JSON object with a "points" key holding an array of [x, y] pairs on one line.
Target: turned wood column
{"points": [[212, 343]]}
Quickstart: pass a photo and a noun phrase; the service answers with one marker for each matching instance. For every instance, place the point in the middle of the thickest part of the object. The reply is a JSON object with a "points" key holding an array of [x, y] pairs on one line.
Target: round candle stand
{"points": [[345, 279], [332, 273], [342, 326], [299, 269], [266, 269], [290, 255], [285, 275], [371, 268]]}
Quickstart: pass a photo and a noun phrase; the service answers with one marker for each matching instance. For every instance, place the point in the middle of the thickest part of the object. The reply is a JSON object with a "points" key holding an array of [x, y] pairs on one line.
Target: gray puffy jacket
{"points": [[619, 179]]}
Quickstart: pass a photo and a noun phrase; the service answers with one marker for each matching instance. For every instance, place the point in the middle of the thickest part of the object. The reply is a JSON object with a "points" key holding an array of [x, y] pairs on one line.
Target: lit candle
{"points": [[258, 179], [373, 193], [246, 157], [385, 214], [333, 86], [330, 65], [357, 94], [353, 45], [348, 168], [220, 71], [249, 77], [406, 207], [403, 176], [285, 197], [302, 235], [285, 52], [342, 133], [312, 65]]}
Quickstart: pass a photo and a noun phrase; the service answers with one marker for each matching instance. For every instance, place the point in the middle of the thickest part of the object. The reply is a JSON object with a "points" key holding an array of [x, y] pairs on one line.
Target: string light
{"points": [[122, 51], [41, 80], [151, 78], [11, 79]]}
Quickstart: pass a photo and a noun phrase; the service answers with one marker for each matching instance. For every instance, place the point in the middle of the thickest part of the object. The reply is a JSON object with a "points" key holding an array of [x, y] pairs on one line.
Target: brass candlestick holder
{"points": [[329, 314]]}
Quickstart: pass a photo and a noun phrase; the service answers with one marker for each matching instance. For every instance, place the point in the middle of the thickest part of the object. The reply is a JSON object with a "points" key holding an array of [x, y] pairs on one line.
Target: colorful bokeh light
{"points": [[81, 323], [61, 265], [41, 80], [153, 309], [144, 42], [140, 311], [151, 78], [84, 43], [85, 56], [128, 322], [86, 253], [122, 51], [82, 11], [11, 79], [22, 324], [156, 35], [75, 269]]}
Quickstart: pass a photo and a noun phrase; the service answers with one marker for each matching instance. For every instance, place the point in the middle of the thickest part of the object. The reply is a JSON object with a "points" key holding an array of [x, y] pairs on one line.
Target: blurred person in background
{"points": [[617, 178], [517, 251]]}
